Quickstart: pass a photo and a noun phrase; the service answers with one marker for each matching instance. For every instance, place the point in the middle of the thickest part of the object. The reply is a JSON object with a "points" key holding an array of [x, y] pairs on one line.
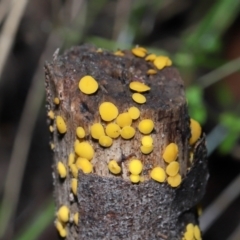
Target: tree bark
{"points": [[111, 206]]}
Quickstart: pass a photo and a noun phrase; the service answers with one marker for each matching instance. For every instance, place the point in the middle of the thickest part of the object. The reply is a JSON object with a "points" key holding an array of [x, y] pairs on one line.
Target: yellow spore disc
{"points": [[151, 71], [61, 125], [147, 141], [124, 119], [197, 232], [170, 153], [146, 149], [139, 51], [138, 87], [150, 57], [114, 167], [134, 113], [113, 130], [62, 171], [97, 130], [74, 184], [84, 150], [84, 165], [158, 174], [88, 85], [80, 132], [134, 178], [174, 181], [139, 98], [63, 214], [172, 168], [160, 62], [128, 132], [108, 111], [196, 131], [105, 141], [146, 126], [135, 166]]}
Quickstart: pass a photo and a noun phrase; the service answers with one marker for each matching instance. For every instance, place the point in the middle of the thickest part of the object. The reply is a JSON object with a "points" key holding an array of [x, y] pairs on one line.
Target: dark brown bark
{"points": [[111, 207]]}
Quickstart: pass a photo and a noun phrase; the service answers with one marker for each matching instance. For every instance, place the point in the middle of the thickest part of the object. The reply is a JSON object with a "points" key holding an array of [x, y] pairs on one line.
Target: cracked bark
{"points": [[109, 206]]}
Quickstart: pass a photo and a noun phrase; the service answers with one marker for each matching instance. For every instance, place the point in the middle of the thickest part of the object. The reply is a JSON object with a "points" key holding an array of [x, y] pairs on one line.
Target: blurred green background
{"points": [[201, 37]]}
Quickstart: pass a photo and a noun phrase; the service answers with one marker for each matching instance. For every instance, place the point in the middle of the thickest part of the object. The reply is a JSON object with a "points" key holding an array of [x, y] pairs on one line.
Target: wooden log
{"points": [[112, 206]]}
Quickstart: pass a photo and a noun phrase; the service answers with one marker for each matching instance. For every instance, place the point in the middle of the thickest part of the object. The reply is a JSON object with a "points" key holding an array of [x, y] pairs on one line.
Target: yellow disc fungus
{"points": [[51, 129], [61, 125], [170, 153], [134, 113], [146, 126], [124, 119], [108, 111], [84, 150], [150, 57], [151, 71], [114, 167], [56, 100], [146, 149], [61, 230], [139, 51], [134, 178], [196, 131], [52, 146], [147, 141], [80, 132], [174, 181], [190, 227], [138, 87], [128, 132], [105, 141], [84, 165], [172, 169], [63, 214], [75, 218], [197, 232], [97, 130], [168, 62], [51, 114], [113, 130], [135, 166], [74, 184], [139, 98], [188, 235], [74, 170], [62, 171], [71, 159], [160, 62], [88, 85], [158, 174], [119, 53]]}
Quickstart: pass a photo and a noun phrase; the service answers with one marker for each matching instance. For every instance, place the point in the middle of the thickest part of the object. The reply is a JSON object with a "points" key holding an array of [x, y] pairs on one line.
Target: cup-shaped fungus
{"points": [[114, 167], [88, 85], [84, 150], [124, 119], [139, 87], [75, 218], [61, 229], [197, 232], [174, 181], [172, 169], [146, 126], [62, 171], [134, 113], [147, 141], [105, 141], [63, 214], [134, 178], [139, 98], [146, 149], [139, 52], [127, 132], [84, 165], [158, 174], [196, 131], [97, 130], [80, 132], [135, 166], [113, 130], [61, 125], [170, 153], [74, 170], [108, 111], [151, 57], [74, 185]]}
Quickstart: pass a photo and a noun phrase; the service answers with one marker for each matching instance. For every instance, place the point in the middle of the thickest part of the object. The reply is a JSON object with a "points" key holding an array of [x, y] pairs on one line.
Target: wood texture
{"points": [[110, 206]]}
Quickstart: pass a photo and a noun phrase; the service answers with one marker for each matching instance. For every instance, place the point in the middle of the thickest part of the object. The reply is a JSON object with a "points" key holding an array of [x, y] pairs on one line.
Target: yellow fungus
{"points": [[170, 153], [150, 57], [151, 71], [61, 230], [139, 51], [113, 130], [134, 113], [146, 126], [172, 169], [160, 62], [135, 166], [146, 149], [63, 233], [128, 132], [61, 125], [108, 111], [74, 170], [168, 62], [174, 181], [147, 141], [196, 131], [62, 171], [119, 53], [84, 150], [139, 98], [97, 130], [56, 101], [197, 232], [124, 119], [51, 129], [52, 146], [76, 142], [188, 235], [105, 141], [190, 227], [99, 50], [74, 184], [138, 87], [75, 218], [51, 114], [114, 167], [80, 132], [191, 157], [88, 85], [84, 165], [134, 178], [63, 214], [158, 174], [71, 159]]}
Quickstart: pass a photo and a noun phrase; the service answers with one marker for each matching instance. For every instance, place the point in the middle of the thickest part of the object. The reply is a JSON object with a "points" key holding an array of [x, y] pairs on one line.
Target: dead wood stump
{"points": [[112, 206]]}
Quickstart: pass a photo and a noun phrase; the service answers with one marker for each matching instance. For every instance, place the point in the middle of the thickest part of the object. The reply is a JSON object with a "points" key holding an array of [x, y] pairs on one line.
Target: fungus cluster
{"points": [[192, 232]]}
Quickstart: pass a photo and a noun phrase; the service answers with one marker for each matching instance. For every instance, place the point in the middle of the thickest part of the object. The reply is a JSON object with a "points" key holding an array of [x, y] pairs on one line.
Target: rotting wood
{"points": [[111, 206]]}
